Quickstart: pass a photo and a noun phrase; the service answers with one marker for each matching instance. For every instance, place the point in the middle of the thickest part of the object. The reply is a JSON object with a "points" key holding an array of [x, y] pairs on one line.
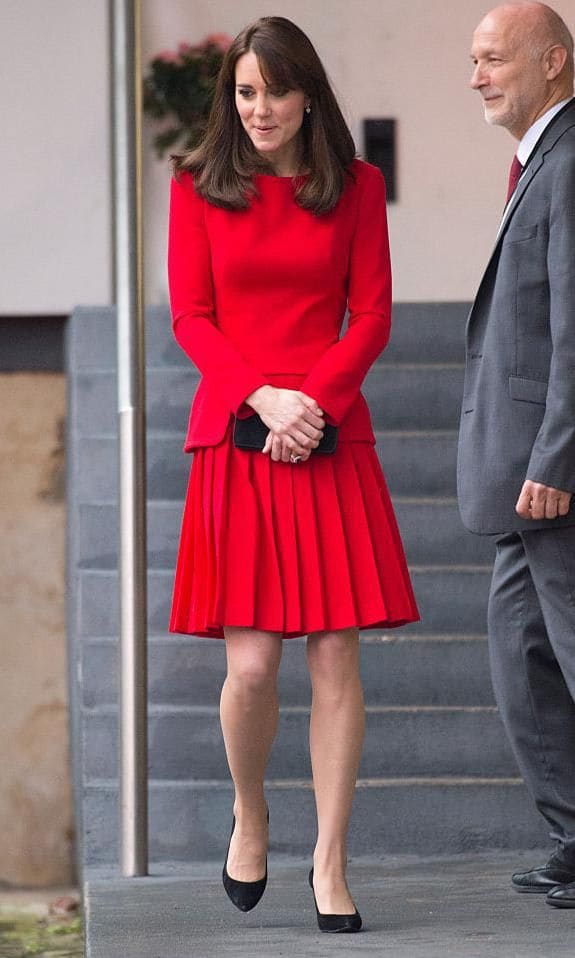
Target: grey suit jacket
{"points": [[518, 414]]}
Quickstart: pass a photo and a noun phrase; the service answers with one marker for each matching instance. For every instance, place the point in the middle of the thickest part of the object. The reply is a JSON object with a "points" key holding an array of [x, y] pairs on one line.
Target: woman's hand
{"points": [[294, 419]]}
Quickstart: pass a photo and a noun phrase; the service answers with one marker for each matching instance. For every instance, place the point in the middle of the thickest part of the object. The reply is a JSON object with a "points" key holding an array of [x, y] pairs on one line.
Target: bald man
{"points": [[516, 461]]}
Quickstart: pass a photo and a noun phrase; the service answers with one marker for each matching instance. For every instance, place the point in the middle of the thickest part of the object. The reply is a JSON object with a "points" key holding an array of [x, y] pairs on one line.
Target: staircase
{"points": [[437, 775]]}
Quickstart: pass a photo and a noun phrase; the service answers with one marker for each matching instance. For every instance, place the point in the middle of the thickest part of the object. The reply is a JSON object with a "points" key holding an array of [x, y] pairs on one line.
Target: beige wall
{"points": [[392, 58], [55, 242], [35, 812], [401, 58]]}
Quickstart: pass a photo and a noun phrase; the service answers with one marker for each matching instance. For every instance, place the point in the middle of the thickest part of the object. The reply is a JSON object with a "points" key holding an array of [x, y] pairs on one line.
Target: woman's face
{"points": [[272, 117]]}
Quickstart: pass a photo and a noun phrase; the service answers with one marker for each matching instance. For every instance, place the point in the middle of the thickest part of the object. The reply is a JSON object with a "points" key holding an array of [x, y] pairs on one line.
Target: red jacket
{"points": [[259, 296]]}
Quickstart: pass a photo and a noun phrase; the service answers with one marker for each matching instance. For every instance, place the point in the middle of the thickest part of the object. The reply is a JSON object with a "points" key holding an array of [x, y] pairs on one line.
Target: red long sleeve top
{"points": [[259, 296]]}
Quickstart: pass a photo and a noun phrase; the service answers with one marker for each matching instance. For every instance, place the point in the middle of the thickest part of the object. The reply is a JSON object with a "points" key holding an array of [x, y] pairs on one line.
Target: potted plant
{"points": [[178, 91]]}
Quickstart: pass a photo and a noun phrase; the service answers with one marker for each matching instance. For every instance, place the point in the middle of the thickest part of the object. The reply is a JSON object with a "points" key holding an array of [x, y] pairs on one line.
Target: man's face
{"points": [[511, 81]]}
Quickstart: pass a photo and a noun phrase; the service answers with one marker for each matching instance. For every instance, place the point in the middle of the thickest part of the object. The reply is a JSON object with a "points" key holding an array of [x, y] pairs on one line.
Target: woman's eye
{"points": [[279, 91], [245, 93]]}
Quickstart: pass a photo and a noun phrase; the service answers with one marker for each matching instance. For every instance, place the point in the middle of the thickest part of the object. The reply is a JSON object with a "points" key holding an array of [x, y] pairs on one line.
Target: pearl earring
{"points": [[308, 109]]}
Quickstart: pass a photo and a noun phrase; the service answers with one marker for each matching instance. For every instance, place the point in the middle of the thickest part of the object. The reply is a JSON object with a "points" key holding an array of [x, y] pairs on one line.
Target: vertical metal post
{"points": [[131, 407]]}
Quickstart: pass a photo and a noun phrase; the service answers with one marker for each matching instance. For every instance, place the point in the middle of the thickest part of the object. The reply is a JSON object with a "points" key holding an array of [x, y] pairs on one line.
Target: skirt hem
{"points": [[217, 632]]}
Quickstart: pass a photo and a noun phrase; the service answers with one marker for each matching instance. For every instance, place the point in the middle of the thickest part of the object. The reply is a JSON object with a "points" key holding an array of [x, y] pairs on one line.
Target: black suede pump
{"points": [[243, 894], [335, 924]]}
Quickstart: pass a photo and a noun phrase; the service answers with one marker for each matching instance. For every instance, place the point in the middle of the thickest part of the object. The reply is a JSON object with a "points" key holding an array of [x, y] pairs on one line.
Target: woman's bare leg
{"points": [[336, 737], [249, 715]]}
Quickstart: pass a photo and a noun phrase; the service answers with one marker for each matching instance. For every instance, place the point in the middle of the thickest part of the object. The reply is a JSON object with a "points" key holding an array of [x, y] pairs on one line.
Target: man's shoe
{"points": [[563, 896], [540, 881]]}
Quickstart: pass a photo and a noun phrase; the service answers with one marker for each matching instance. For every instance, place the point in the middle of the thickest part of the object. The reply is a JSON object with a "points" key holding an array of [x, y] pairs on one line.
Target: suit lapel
{"points": [[523, 185], [558, 126]]}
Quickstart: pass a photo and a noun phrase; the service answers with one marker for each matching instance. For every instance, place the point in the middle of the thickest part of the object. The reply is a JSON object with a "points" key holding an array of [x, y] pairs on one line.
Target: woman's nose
{"points": [[262, 107]]}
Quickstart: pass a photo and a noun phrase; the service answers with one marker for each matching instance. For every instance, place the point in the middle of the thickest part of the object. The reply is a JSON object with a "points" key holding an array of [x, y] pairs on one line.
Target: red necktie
{"points": [[514, 174]]}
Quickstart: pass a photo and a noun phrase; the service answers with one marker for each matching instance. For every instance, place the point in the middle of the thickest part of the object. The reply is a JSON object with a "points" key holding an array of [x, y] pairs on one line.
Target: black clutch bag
{"points": [[251, 434]]}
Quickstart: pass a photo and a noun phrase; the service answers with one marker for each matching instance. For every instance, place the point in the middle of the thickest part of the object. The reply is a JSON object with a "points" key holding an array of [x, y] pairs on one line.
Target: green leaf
{"points": [[181, 91]]}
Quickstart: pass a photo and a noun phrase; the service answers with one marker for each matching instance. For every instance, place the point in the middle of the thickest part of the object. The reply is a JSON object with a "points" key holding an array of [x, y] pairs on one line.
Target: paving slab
{"points": [[456, 907]]}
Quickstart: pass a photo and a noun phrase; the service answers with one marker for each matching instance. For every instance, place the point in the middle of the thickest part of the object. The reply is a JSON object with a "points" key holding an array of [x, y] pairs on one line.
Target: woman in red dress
{"points": [[275, 230]]}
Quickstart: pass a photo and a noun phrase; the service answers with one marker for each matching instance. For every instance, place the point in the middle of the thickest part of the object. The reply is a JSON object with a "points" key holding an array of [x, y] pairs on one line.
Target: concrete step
{"points": [[190, 822], [91, 340], [431, 529], [397, 669], [416, 464], [420, 395], [400, 396], [462, 611], [430, 332], [419, 464], [169, 392], [431, 722], [186, 743], [452, 599], [433, 533]]}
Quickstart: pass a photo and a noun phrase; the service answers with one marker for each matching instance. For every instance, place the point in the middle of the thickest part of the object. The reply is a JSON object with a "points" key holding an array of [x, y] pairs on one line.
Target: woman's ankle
{"points": [[330, 863], [250, 809]]}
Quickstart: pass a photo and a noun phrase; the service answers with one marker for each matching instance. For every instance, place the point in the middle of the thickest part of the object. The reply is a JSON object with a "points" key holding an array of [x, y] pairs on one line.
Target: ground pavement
{"points": [[459, 907]]}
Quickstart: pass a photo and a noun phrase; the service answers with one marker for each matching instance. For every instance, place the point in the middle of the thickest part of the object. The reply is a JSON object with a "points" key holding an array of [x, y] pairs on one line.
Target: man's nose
{"points": [[478, 78]]}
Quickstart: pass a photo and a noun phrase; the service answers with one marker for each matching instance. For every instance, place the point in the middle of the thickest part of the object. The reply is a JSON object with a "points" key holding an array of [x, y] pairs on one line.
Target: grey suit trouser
{"points": [[531, 623]]}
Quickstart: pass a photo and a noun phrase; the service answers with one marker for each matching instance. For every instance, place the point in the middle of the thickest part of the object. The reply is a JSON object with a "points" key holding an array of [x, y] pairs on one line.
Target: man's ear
{"points": [[555, 59]]}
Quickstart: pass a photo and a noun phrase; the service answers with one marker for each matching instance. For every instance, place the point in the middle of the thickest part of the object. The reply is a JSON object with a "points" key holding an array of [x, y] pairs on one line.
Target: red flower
{"points": [[219, 40], [167, 56]]}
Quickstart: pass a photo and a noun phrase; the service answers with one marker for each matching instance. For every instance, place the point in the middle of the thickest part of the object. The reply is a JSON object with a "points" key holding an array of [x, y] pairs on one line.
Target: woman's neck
{"points": [[289, 162]]}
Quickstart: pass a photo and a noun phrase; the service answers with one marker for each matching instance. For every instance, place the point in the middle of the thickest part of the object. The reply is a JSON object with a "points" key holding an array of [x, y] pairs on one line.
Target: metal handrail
{"points": [[127, 113]]}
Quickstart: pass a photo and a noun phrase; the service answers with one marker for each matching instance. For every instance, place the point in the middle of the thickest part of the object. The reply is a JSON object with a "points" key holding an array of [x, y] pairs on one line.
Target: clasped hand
{"points": [[538, 501], [295, 422]]}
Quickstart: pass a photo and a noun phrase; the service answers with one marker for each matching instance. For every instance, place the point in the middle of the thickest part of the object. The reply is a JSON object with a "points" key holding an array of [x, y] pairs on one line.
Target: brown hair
{"points": [[225, 162]]}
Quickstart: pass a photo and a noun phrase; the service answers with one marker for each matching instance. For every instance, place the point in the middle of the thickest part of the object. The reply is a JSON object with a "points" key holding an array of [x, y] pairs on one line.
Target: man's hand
{"points": [[542, 502]]}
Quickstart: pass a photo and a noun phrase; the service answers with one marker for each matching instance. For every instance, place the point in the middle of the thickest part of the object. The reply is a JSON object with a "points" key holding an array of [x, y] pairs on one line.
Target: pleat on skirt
{"points": [[287, 548]]}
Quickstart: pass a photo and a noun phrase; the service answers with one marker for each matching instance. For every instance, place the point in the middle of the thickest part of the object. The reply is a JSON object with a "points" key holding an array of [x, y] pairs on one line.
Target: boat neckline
{"points": [[274, 176]]}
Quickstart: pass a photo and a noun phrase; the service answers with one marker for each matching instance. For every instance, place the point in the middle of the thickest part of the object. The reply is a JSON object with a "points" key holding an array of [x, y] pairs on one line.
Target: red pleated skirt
{"points": [[292, 549]]}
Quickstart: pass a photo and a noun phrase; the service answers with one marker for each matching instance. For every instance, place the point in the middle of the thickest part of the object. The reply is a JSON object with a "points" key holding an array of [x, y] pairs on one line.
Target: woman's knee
{"points": [[333, 658], [252, 665]]}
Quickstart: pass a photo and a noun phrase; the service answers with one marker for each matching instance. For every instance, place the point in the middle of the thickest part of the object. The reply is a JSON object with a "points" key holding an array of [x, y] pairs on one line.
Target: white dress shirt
{"points": [[529, 140], [526, 145]]}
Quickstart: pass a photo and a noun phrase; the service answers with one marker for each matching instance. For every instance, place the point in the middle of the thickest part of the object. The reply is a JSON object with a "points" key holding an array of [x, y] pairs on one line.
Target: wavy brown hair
{"points": [[225, 162]]}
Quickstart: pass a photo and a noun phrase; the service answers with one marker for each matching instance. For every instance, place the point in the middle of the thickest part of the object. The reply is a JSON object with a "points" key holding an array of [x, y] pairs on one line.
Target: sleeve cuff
{"points": [[238, 392]]}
